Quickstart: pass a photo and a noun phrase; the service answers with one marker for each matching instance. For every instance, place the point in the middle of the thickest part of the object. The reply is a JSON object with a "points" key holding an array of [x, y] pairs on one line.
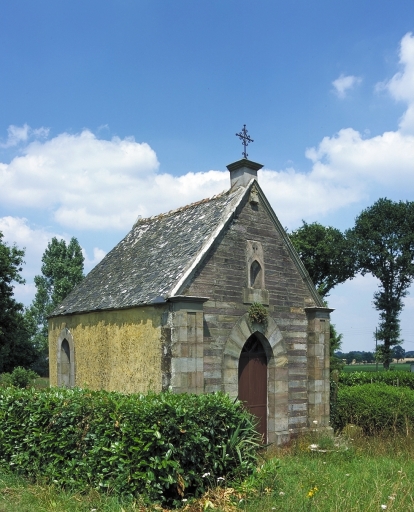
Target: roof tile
{"points": [[144, 267]]}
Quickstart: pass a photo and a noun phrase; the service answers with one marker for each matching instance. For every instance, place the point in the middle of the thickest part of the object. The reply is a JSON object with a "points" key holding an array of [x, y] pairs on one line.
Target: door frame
{"points": [[277, 370]]}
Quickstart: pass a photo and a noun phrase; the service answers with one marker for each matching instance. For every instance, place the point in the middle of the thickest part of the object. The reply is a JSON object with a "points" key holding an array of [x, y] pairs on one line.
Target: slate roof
{"points": [[153, 257]]}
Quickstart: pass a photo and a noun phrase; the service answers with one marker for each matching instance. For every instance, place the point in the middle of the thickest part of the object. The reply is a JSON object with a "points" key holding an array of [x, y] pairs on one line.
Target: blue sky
{"points": [[110, 110]]}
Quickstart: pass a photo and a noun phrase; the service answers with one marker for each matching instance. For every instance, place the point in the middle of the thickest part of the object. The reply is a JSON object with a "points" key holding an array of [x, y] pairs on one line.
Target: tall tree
{"points": [[62, 270], [328, 257], [326, 253], [383, 238], [398, 352], [335, 343], [15, 346]]}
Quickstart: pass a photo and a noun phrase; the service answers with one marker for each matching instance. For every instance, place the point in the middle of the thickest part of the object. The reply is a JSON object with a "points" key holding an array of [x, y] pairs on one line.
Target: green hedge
{"points": [[158, 446], [392, 378], [375, 408]]}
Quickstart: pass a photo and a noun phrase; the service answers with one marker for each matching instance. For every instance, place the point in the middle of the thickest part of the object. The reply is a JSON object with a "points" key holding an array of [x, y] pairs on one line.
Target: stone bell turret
{"points": [[242, 171]]}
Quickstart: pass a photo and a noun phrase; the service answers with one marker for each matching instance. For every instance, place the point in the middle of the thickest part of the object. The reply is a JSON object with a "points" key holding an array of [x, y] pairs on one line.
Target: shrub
{"points": [[157, 445], [394, 378], [19, 377], [5, 380], [258, 313], [375, 408]]}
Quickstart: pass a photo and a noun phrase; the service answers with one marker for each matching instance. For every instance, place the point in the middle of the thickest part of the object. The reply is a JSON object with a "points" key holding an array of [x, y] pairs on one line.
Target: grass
{"points": [[360, 475], [41, 383], [369, 474], [38, 383], [18, 495], [372, 367]]}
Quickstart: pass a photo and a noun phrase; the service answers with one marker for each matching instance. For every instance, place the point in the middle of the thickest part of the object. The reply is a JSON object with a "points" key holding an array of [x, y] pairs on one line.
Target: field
{"points": [[372, 367], [363, 474]]}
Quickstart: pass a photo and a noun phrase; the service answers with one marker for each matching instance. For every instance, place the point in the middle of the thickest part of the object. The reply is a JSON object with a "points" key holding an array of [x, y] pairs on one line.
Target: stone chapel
{"points": [[169, 308]]}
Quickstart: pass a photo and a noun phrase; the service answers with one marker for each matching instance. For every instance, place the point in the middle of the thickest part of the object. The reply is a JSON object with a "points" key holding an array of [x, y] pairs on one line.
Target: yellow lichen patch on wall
{"points": [[114, 350]]}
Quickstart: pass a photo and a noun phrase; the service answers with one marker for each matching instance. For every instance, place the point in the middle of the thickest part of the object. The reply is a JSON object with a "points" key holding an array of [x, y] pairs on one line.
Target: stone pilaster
{"points": [[187, 357], [318, 366]]}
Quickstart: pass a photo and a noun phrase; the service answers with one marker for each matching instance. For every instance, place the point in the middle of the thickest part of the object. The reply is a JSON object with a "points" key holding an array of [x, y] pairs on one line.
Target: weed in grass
{"points": [[325, 442]]}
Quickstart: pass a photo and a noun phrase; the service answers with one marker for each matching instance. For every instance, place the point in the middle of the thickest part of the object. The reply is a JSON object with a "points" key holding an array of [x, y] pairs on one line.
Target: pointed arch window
{"points": [[65, 360], [256, 275], [255, 265]]}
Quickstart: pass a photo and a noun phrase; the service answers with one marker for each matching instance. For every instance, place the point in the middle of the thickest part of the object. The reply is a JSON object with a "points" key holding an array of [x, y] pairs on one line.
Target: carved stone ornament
{"points": [[254, 196]]}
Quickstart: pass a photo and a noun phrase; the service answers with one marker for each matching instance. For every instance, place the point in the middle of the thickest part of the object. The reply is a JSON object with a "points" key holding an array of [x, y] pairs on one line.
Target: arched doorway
{"points": [[253, 381]]}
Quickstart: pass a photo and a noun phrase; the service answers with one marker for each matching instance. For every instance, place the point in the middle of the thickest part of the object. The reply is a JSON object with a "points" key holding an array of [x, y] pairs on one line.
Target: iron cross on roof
{"points": [[245, 140]]}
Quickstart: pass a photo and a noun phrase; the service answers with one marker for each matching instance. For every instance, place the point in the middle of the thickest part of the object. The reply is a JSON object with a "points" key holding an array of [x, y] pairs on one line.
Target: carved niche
{"points": [[255, 269]]}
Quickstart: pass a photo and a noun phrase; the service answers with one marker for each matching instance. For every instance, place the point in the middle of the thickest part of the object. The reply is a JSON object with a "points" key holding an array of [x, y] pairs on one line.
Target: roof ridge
{"points": [[181, 208]]}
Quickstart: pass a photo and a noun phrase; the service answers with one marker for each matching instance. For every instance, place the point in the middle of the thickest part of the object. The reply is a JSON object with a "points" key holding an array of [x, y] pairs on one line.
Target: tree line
{"points": [[380, 243], [397, 353], [24, 331]]}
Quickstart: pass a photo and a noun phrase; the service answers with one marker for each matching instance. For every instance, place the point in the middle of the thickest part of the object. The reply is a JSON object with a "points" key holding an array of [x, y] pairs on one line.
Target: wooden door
{"points": [[253, 381]]}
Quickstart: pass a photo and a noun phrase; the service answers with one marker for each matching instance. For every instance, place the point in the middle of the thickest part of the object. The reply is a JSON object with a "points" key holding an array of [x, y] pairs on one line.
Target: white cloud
{"points": [[34, 241], [401, 85], [349, 165], [348, 158], [346, 167], [344, 83], [16, 230], [97, 184], [18, 134], [86, 181], [98, 254], [89, 183], [296, 196]]}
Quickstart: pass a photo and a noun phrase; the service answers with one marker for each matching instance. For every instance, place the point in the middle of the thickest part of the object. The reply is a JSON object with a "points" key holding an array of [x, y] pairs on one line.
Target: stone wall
{"points": [[113, 350], [186, 345], [224, 278]]}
